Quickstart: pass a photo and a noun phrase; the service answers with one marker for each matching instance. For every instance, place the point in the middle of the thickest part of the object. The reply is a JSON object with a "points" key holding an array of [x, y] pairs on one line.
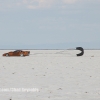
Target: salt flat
{"points": [[58, 74]]}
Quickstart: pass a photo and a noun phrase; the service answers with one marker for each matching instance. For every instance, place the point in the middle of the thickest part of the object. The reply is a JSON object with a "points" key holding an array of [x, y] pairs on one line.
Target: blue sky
{"points": [[49, 24]]}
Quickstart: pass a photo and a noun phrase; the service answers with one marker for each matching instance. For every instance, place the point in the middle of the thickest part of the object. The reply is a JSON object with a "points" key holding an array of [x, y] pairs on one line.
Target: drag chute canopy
{"points": [[81, 49]]}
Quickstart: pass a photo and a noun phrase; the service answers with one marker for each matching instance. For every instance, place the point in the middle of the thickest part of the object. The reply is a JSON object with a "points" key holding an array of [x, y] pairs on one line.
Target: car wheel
{"points": [[7, 55], [21, 55]]}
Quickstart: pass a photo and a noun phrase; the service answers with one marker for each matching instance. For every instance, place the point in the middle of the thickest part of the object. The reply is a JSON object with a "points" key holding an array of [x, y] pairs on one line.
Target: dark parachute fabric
{"points": [[81, 49]]}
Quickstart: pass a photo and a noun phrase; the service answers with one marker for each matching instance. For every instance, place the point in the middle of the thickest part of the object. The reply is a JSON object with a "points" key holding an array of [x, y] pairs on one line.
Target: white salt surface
{"points": [[58, 74]]}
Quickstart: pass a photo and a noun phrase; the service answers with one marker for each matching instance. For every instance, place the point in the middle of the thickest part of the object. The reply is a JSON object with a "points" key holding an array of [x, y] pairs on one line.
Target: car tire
{"points": [[21, 55], [7, 55]]}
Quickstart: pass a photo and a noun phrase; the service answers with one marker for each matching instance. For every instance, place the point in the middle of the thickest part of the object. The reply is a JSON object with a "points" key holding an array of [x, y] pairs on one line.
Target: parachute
{"points": [[81, 49]]}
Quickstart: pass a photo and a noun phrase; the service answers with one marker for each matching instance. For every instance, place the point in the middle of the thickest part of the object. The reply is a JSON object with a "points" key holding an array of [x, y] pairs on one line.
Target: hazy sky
{"points": [[49, 24]]}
